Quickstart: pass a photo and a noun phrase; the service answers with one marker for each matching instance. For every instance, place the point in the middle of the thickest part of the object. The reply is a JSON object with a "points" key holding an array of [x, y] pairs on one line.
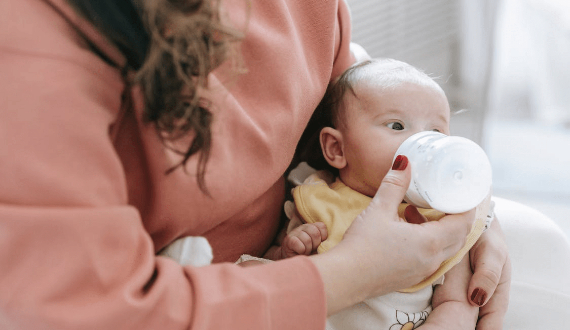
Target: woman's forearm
{"points": [[343, 288]]}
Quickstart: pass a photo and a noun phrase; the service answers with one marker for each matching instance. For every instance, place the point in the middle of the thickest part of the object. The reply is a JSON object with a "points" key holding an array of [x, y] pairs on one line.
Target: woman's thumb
{"points": [[394, 185]]}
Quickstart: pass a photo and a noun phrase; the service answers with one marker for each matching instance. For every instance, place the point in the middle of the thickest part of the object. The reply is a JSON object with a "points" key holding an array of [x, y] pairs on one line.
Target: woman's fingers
{"points": [[490, 284], [412, 215], [452, 231], [492, 314], [431, 242], [392, 189], [489, 260]]}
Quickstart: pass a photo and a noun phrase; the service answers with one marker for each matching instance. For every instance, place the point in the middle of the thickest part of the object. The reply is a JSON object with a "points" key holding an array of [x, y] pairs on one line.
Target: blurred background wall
{"points": [[505, 67]]}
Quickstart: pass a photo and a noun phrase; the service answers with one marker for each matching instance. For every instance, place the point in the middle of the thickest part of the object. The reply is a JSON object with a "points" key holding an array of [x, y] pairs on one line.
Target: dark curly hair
{"points": [[172, 45]]}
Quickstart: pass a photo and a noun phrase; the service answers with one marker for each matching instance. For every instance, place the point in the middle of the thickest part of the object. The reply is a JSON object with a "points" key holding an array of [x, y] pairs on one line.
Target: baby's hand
{"points": [[303, 240]]}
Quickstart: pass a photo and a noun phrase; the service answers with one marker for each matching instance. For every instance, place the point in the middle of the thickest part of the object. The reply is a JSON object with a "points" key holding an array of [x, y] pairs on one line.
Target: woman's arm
{"points": [[73, 253]]}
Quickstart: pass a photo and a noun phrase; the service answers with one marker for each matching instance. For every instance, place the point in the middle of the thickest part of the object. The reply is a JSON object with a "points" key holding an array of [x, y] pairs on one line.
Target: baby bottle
{"points": [[451, 174]]}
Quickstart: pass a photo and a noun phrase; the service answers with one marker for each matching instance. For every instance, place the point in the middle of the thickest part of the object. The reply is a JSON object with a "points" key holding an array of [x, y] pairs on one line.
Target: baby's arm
{"points": [[297, 238], [451, 307], [302, 240]]}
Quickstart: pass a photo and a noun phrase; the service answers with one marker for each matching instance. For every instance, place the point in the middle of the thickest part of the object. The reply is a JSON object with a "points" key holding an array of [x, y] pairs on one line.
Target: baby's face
{"points": [[376, 123]]}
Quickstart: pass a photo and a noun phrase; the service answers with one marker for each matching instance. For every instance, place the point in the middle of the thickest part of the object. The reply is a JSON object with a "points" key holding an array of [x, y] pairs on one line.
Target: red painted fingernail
{"points": [[400, 163], [478, 296]]}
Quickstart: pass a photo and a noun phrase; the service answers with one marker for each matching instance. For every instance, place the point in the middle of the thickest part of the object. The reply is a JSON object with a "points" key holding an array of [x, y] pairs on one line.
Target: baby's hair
{"points": [[384, 73], [390, 73]]}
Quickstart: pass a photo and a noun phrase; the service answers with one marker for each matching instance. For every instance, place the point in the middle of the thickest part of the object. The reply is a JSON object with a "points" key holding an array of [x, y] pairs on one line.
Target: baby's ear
{"points": [[332, 147]]}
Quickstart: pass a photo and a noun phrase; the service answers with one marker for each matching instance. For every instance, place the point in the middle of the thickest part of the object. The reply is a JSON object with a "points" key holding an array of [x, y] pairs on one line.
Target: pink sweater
{"points": [[85, 203]]}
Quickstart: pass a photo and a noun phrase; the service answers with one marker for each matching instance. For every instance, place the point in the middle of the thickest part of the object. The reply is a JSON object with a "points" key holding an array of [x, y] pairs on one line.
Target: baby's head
{"points": [[371, 109]]}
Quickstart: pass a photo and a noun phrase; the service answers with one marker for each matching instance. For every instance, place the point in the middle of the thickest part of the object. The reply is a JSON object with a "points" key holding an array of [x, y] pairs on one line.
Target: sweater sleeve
{"points": [[73, 253]]}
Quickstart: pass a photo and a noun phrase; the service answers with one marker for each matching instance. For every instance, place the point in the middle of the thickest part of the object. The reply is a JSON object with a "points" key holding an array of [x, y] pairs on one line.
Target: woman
{"points": [[120, 137]]}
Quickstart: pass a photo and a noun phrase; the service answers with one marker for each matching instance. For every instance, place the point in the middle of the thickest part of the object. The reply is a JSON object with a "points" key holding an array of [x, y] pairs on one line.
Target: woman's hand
{"points": [[490, 284], [489, 287], [381, 252]]}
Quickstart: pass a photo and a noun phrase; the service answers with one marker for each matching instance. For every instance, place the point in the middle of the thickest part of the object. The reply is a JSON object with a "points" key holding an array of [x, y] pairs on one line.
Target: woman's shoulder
{"points": [[51, 31]]}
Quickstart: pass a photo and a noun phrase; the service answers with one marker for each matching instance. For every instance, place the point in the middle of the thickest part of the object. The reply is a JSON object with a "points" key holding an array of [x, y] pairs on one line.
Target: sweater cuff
{"points": [[282, 295]]}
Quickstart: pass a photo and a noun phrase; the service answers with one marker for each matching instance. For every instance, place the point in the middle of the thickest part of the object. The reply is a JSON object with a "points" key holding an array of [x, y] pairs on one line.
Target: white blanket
{"points": [[540, 256]]}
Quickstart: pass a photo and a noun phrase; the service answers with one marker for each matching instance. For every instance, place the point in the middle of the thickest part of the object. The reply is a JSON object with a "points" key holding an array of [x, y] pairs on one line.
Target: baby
{"points": [[364, 117]]}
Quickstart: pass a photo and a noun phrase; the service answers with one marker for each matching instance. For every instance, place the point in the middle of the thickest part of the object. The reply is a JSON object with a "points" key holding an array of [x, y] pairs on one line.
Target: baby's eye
{"points": [[396, 126], [436, 130]]}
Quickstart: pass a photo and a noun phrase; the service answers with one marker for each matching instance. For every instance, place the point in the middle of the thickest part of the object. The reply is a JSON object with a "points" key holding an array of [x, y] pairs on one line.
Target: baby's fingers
{"points": [[306, 238], [297, 245], [312, 235], [322, 230]]}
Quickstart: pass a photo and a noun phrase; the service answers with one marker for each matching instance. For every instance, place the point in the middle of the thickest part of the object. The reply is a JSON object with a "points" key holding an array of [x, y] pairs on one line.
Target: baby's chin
{"points": [[364, 188], [369, 191]]}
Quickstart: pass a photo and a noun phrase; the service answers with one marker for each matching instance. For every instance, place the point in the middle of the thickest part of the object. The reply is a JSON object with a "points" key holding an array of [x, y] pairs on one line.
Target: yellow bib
{"points": [[337, 206]]}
